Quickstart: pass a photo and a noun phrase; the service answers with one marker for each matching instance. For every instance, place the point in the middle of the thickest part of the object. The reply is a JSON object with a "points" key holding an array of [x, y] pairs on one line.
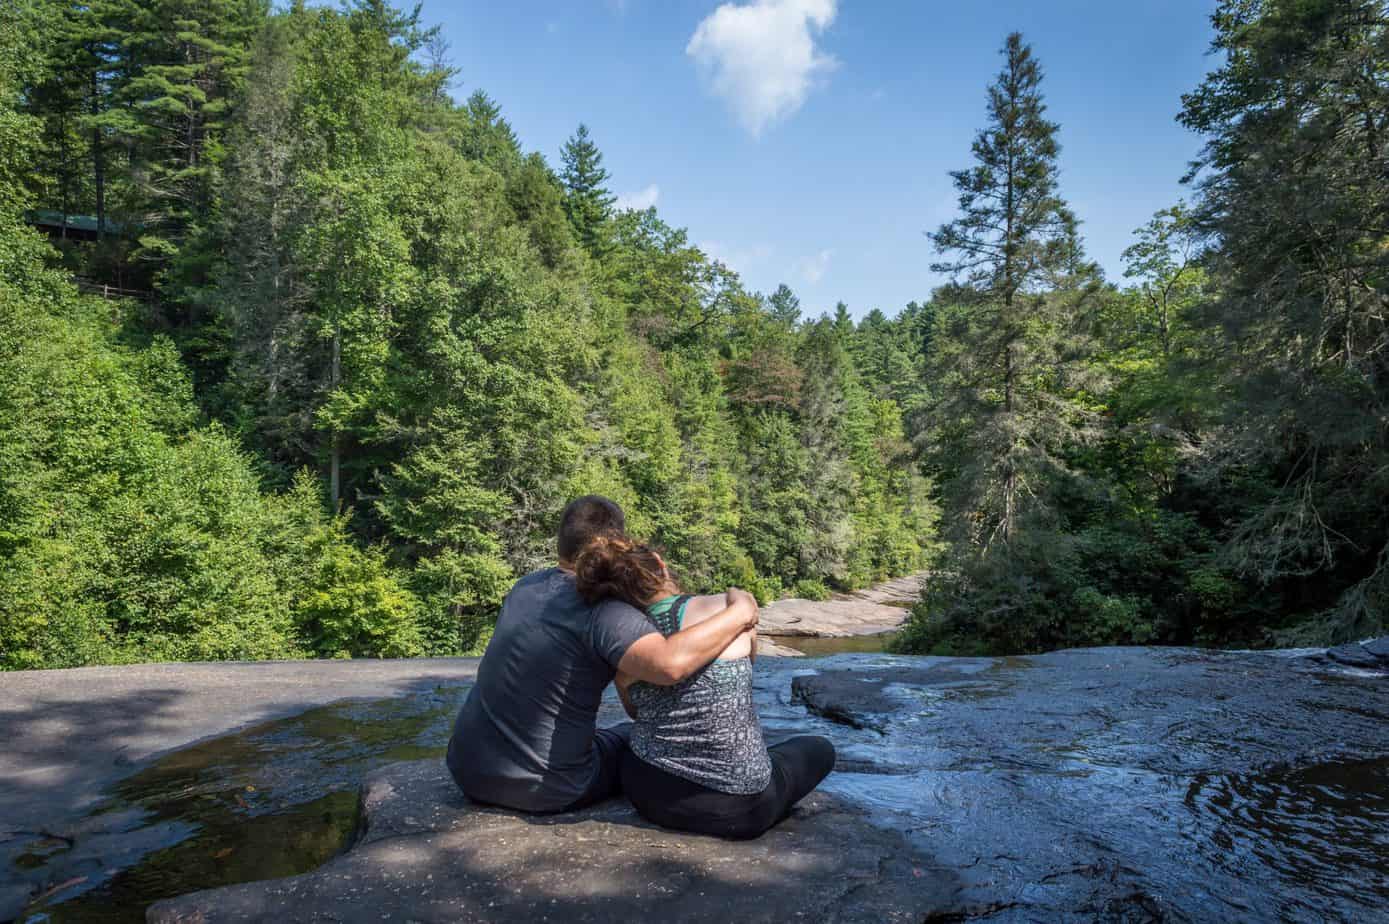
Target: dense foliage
{"points": [[1200, 457], [383, 345]]}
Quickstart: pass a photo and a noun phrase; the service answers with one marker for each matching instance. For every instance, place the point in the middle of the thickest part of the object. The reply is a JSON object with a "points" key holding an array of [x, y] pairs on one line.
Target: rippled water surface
{"points": [[1323, 828]]}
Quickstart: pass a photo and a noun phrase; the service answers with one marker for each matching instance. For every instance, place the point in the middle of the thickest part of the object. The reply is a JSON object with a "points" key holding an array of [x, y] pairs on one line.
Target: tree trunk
{"points": [[1010, 480], [98, 162], [335, 477]]}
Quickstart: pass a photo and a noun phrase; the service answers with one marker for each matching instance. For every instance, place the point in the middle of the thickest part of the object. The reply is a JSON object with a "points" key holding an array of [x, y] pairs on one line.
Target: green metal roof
{"points": [[51, 219]]}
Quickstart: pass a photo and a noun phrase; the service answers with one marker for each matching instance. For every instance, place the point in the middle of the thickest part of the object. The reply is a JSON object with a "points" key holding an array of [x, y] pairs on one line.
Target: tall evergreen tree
{"points": [[185, 63], [587, 198], [1295, 188], [1016, 250], [483, 134], [784, 306]]}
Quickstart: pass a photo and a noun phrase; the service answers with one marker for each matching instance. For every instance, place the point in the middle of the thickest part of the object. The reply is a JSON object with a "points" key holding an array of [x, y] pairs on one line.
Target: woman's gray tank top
{"points": [[705, 728]]}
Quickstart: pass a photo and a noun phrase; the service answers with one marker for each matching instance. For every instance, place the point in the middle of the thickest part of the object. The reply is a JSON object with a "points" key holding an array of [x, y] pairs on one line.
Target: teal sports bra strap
{"points": [[669, 614]]}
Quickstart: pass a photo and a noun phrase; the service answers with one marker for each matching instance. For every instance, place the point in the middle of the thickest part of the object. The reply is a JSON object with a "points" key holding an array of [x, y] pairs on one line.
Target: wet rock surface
{"points": [[1371, 655], [1131, 784], [95, 823], [1113, 784], [427, 854]]}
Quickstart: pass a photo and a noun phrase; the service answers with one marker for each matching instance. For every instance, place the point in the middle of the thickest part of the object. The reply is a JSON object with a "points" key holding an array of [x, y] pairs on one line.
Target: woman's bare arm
{"points": [[702, 608], [667, 661]]}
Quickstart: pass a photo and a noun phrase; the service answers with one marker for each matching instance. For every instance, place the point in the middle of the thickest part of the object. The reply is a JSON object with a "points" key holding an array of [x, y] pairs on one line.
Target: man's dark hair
{"points": [[584, 518]]}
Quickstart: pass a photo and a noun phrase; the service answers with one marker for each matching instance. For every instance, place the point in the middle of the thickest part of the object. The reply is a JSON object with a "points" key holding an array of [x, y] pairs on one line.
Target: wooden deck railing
{"points": [[105, 290]]}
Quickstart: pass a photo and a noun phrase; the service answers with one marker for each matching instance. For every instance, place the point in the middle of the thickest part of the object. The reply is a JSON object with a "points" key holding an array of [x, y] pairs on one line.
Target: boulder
{"points": [[1379, 648], [426, 854], [866, 697], [1354, 655]]}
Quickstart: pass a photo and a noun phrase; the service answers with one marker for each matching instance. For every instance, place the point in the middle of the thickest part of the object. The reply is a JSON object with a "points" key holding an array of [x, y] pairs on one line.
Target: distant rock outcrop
{"points": [[880, 608]]}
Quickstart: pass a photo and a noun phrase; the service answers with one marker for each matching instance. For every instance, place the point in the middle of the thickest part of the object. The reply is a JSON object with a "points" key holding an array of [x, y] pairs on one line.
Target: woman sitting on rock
{"points": [[697, 760]]}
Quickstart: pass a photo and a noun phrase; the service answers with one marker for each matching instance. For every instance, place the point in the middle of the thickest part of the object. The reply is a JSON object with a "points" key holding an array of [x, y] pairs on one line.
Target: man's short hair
{"points": [[586, 517]]}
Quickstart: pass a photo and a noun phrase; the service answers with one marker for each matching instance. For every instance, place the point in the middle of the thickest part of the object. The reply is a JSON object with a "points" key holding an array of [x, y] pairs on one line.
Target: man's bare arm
{"points": [[665, 661]]}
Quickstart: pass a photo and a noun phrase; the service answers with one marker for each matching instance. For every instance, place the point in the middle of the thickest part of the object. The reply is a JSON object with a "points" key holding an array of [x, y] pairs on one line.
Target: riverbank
{"points": [[860, 622]]}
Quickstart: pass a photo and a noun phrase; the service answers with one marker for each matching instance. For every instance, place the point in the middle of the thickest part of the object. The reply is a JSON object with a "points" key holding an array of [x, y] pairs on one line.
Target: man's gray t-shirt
{"points": [[524, 737]]}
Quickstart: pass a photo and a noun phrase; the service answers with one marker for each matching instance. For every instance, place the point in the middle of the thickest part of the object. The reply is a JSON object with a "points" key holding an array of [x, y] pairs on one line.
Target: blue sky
{"points": [[808, 141]]}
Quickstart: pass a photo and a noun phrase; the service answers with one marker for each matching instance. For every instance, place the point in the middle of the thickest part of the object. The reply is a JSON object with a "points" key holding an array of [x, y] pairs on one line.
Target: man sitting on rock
{"points": [[527, 736]]}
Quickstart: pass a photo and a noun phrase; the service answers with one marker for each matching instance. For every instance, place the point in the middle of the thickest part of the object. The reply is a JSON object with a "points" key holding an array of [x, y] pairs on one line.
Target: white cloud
{"points": [[739, 259], [813, 268], [641, 200], [761, 56]]}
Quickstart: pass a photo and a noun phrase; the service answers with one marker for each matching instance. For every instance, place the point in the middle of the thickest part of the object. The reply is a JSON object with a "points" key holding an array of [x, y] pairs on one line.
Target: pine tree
{"points": [[186, 62], [1017, 255], [587, 199], [784, 306], [1295, 189], [484, 135], [81, 65]]}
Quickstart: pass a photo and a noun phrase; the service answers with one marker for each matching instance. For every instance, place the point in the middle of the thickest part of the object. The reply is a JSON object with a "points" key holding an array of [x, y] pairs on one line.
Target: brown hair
{"points": [[586, 517], [615, 566]]}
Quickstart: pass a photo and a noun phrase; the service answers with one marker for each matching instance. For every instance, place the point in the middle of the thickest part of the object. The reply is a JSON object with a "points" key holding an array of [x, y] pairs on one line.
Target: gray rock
{"points": [[70, 733], [878, 609], [770, 648], [1379, 648], [866, 697], [13, 897], [426, 854], [1098, 784], [1353, 655]]}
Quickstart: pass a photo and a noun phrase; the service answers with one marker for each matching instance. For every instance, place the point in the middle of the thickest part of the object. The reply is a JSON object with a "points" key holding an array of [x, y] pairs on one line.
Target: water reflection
{"points": [[823, 647], [276, 800]]}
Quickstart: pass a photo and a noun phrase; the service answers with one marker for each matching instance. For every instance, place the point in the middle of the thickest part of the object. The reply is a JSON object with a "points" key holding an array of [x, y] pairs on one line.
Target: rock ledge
{"points": [[424, 853]]}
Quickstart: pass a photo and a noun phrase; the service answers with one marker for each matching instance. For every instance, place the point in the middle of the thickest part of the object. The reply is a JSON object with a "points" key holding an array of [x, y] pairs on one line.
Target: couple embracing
{"points": [[693, 757]]}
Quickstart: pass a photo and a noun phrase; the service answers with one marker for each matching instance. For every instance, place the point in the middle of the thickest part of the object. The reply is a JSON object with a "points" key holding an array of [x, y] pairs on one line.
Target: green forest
{"points": [[367, 346]]}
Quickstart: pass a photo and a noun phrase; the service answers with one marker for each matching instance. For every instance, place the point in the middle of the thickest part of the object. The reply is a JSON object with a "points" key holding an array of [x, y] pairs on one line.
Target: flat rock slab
{"points": [[881, 608], [1136, 784], [70, 733], [427, 854]]}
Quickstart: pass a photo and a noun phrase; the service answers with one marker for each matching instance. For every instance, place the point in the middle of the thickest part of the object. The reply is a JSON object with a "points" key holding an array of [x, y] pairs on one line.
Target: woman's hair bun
{"points": [[613, 565]]}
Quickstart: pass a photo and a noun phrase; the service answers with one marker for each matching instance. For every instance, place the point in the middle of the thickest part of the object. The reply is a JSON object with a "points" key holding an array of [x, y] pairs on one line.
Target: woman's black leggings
{"points": [[798, 766]]}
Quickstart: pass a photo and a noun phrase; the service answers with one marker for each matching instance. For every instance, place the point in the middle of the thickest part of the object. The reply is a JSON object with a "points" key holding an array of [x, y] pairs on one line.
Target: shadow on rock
{"points": [[425, 853]]}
